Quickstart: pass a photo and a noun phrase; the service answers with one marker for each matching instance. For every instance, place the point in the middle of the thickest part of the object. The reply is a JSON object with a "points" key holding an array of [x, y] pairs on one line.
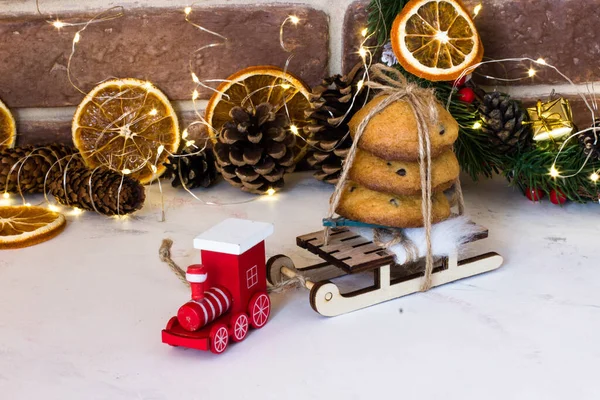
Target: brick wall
{"points": [[153, 42]]}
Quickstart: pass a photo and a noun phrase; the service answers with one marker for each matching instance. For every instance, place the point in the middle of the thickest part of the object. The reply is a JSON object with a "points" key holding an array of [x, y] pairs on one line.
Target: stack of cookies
{"points": [[384, 185]]}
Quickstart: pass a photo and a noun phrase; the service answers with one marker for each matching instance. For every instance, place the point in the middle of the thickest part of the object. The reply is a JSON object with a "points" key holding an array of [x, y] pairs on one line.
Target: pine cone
{"points": [[111, 192], [590, 141], [334, 103], [503, 122], [191, 170], [256, 148], [27, 167]]}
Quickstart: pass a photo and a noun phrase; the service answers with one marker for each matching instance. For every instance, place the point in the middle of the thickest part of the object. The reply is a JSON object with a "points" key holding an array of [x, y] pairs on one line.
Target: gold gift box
{"points": [[552, 120]]}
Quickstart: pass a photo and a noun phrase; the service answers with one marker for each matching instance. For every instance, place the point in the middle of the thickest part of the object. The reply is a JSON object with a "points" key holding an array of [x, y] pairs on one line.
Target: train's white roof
{"points": [[233, 236]]}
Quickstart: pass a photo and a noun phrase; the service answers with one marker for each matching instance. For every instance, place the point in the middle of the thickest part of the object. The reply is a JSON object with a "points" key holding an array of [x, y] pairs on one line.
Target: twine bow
{"points": [[391, 83]]}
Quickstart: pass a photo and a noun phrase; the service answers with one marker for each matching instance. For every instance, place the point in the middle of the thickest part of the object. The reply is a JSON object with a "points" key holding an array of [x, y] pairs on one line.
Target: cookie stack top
{"points": [[393, 135], [384, 186]]}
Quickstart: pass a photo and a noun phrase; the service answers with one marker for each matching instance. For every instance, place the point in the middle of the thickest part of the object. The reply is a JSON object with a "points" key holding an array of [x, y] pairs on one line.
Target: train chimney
{"points": [[196, 275], [207, 304]]}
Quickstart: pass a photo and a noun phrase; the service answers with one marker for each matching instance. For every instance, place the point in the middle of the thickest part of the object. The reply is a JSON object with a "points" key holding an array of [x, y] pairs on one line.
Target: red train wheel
{"points": [[259, 310], [239, 327], [219, 338]]}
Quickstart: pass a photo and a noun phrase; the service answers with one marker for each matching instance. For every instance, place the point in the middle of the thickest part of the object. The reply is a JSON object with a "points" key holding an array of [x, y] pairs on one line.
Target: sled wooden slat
{"points": [[482, 233], [355, 241], [316, 239], [346, 250], [322, 272]]}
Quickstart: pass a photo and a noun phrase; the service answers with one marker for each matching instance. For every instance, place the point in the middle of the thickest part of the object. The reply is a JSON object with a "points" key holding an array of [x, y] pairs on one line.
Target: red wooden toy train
{"points": [[229, 288]]}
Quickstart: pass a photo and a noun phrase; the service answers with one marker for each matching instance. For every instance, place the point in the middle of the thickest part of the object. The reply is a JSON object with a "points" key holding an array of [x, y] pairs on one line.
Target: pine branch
{"points": [[527, 168], [381, 17], [474, 151], [530, 169]]}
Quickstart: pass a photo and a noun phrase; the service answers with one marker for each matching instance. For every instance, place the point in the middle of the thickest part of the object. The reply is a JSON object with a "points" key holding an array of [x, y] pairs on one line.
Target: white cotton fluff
{"points": [[446, 237]]}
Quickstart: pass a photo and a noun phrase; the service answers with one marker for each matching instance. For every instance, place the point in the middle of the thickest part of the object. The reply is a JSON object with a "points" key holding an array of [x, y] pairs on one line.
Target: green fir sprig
{"points": [[473, 149], [475, 153], [381, 17], [527, 168], [531, 170]]}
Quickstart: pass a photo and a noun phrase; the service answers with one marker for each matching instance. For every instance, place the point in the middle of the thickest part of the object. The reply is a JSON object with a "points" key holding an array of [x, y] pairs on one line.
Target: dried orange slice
{"points": [[255, 85], [8, 128], [436, 40], [24, 226], [122, 124]]}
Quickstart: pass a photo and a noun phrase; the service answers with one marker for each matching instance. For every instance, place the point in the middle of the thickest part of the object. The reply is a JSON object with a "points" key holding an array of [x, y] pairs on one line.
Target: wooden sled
{"points": [[350, 253]]}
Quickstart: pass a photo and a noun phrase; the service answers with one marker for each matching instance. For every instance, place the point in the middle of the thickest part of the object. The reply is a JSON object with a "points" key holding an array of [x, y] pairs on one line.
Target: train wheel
{"points": [[259, 310], [219, 338], [274, 265], [239, 327]]}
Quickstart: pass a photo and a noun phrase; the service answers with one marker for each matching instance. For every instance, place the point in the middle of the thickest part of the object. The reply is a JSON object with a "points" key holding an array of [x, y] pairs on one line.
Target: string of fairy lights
{"points": [[364, 52], [117, 12], [531, 72], [106, 15]]}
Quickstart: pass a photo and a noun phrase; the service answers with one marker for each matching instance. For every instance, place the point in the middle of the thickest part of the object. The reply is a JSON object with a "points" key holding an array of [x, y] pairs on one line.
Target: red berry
{"points": [[557, 197], [461, 82], [466, 94], [534, 194]]}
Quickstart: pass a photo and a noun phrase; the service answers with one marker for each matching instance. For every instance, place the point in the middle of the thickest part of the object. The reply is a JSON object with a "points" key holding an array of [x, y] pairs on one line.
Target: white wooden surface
{"points": [[80, 316]]}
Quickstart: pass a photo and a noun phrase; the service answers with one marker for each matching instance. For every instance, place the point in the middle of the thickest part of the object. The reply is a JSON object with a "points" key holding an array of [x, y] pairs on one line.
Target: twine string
{"points": [[164, 253], [397, 237], [391, 83], [459, 197], [297, 282]]}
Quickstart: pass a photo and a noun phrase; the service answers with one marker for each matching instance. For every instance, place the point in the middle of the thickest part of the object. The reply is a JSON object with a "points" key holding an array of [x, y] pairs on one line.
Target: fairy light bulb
{"points": [[153, 112], [77, 38], [190, 143], [195, 95], [294, 130], [294, 19], [554, 172], [77, 211], [286, 86], [147, 85], [27, 204], [360, 84], [531, 72], [541, 61], [58, 24], [364, 32], [594, 177], [184, 134], [187, 10], [153, 168], [5, 195], [195, 78], [53, 208], [477, 10], [362, 52], [160, 149], [125, 171], [270, 192], [477, 125]]}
